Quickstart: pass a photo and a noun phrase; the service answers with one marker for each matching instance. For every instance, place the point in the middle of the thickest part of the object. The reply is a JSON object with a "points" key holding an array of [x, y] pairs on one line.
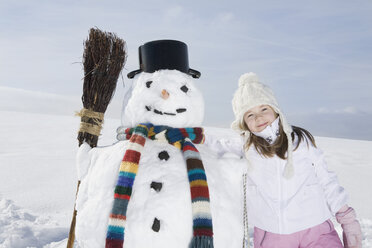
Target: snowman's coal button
{"points": [[156, 225], [163, 155], [156, 186]]}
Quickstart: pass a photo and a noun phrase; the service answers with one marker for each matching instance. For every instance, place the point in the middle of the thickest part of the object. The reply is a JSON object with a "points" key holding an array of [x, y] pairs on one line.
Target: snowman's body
{"points": [[160, 211]]}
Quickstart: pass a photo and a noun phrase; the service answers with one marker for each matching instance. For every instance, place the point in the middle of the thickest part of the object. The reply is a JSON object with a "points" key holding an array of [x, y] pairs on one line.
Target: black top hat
{"points": [[164, 54]]}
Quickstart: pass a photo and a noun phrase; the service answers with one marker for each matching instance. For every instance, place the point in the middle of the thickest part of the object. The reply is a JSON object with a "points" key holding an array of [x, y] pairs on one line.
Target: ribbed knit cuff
{"points": [[346, 217]]}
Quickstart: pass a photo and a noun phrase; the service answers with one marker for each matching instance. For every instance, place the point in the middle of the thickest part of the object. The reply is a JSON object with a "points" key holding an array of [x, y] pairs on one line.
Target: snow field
{"points": [[38, 176]]}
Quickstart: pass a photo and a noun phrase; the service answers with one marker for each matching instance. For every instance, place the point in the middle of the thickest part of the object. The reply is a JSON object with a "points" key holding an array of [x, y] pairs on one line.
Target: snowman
{"points": [[159, 185]]}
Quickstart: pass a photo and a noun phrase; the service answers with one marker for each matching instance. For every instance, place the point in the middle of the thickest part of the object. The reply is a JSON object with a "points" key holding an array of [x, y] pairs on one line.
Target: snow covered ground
{"points": [[38, 177]]}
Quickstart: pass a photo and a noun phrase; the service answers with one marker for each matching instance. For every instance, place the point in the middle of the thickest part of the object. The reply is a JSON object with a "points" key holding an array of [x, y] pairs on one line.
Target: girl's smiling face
{"points": [[259, 117]]}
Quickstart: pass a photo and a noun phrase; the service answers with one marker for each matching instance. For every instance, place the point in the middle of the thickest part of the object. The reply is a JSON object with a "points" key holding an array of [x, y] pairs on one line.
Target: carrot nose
{"points": [[164, 94]]}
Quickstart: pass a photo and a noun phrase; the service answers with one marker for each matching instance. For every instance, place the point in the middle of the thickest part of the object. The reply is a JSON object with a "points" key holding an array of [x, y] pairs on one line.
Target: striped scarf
{"points": [[183, 139]]}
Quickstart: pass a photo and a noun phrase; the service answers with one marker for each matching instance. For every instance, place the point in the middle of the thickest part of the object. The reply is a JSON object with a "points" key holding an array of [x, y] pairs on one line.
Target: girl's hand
{"points": [[352, 233]]}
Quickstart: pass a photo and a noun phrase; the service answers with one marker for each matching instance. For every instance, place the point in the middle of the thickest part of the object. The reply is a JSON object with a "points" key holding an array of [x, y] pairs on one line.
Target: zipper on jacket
{"points": [[280, 197], [263, 238]]}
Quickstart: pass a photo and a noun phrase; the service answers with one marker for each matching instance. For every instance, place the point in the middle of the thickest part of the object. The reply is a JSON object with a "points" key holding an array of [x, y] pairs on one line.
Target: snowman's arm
{"points": [[83, 160], [222, 145]]}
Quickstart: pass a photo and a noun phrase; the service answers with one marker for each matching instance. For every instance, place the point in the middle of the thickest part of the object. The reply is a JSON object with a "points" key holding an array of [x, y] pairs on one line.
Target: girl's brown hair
{"points": [[280, 146]]}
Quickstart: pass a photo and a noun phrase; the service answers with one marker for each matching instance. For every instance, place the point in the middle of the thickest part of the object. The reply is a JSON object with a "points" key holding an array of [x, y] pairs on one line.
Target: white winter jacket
{"points": [[285, 206]]}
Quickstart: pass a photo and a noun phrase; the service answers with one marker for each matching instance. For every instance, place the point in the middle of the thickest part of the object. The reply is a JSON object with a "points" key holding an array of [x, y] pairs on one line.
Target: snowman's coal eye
{"points": [[184, 88], [148, 83]]}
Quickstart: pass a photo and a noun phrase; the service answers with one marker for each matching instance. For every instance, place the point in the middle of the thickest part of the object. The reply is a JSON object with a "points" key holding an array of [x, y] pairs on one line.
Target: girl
{"points": [[290, 194]]}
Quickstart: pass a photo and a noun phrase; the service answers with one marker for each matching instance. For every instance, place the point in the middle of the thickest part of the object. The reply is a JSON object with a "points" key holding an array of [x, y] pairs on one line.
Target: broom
{"points": [[104, 57]]}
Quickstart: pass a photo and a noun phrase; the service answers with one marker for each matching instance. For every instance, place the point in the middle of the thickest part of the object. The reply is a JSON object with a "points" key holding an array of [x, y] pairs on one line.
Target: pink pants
{"points": [[320, 236]]}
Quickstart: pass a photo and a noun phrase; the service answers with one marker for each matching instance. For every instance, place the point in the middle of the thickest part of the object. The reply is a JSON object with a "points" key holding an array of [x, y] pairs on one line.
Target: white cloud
{"points": [[173, 12], [323, 110], [226, 17], [345, 110], [349, 110]]}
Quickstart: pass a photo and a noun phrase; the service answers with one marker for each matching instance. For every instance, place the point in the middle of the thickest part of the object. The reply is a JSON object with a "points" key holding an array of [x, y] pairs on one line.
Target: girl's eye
{"points": [[184, 88], [249, 116], [148, 83], [264, 109]]}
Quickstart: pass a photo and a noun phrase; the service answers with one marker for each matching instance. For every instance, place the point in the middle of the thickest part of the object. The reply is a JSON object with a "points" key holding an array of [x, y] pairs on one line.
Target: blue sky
{"points": [[316, 55]]}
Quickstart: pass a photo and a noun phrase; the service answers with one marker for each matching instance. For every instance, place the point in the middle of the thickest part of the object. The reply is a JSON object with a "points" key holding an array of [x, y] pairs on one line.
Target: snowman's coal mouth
{"points": [[179, 110]]}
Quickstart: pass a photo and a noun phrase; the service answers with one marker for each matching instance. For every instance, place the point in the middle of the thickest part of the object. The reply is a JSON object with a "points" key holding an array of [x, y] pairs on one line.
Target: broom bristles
{"points": [[103, 59]]}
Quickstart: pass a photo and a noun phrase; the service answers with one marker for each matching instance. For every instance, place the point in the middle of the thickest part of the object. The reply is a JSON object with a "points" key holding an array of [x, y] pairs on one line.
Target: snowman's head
{"points": [[164, 97]]}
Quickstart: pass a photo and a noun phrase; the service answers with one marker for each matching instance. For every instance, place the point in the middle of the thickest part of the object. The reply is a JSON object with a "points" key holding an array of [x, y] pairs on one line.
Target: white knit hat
{"points": [[252, 93]]}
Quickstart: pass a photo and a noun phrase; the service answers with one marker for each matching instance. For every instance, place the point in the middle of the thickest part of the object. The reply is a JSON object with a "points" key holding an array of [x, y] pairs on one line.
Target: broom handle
{"points": [[71, 235], [104, 57], [92, 141]]}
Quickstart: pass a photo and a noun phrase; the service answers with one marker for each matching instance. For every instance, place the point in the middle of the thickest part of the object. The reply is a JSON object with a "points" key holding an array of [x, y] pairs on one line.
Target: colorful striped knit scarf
{"points": [[183, 139]]}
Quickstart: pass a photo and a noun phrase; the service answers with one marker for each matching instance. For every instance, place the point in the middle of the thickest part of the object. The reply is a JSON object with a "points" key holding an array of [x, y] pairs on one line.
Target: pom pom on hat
{"points": [[247, 78], [251, 93]]}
